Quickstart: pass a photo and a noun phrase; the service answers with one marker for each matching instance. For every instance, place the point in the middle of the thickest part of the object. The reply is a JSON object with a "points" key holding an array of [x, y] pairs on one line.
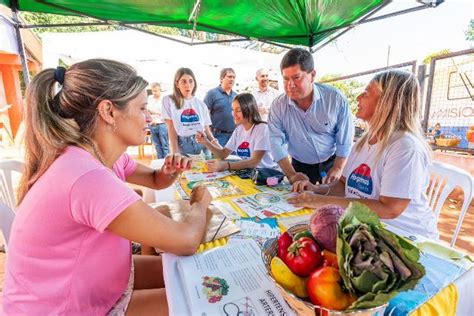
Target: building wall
{"points": [[10, 67]]}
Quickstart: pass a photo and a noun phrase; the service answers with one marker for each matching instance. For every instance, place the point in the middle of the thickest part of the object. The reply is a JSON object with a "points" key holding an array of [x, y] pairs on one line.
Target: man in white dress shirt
{"points": [[264, 94], [159, 132]]}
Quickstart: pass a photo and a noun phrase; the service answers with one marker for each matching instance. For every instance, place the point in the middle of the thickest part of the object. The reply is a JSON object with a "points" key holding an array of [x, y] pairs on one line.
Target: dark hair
{"points": [[177, 97], [55, 119], [298, 56], [224, 72], [249, 108]]}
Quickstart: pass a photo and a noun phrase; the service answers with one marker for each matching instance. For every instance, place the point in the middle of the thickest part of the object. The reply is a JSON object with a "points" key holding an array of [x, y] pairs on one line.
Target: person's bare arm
{"points": [[252, 162], [159, 179], [385, 207], [213, 145], [336, 171], [290, 172], [208, 133], [173, 137], [334, 189], [141, 223]]}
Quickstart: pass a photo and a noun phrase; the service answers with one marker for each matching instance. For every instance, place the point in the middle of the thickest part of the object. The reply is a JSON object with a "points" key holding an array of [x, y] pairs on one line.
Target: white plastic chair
{"points": [[6, 221], [444, 178], [9, 171]]}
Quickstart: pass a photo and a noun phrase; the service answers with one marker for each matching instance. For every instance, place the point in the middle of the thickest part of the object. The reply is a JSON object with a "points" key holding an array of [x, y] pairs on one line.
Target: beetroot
{"points": [[323, 225]]}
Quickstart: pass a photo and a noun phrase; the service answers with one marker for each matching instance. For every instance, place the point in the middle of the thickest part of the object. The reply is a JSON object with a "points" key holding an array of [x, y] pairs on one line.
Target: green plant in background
{"points": [[470, 31], [46, 18], [428, 58], [350, 88]]}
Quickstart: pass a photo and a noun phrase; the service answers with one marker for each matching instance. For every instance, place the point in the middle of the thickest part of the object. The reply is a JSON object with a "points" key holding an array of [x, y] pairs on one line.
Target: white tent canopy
{"points": [[7, 37], [157, 59]]}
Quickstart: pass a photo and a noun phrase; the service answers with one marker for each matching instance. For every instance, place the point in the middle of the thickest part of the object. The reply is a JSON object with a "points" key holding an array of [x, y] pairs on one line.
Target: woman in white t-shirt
{"points": [[185, 115], [388, 167], [250, 140]]}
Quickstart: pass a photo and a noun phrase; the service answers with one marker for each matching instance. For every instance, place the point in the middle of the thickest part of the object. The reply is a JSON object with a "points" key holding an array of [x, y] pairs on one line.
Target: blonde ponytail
{"points": [[56, 118]]}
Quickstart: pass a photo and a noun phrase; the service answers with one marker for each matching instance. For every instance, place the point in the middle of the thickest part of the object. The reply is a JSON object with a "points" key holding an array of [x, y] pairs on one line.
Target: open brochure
{"points": [[229, 280], [205, 176], [265, 204]]}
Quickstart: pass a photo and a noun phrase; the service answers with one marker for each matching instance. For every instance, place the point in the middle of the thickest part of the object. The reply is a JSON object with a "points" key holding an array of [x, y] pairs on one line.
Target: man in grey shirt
{"points": [[219, 102], [311, 123]]}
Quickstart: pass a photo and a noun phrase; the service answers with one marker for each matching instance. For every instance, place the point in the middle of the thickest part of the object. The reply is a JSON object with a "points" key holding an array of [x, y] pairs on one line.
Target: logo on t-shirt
{"points": [[189, 116], [360, 180], [244, 150]]}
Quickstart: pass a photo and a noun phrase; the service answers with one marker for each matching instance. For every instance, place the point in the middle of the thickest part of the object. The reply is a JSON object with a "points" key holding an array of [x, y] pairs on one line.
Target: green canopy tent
{"points": [[310, 23]]}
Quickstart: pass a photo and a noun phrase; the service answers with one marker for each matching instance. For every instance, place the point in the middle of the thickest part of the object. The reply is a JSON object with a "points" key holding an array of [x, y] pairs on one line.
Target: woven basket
{"points": [[302, 307]]}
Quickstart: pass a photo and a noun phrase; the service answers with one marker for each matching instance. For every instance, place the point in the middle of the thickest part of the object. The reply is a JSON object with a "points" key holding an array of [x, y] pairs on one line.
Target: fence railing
{"points": [[447, 93]]}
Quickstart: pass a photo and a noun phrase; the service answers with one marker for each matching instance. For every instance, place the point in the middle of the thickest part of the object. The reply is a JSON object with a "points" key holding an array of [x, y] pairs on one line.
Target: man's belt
{"points": [[218, 130]]}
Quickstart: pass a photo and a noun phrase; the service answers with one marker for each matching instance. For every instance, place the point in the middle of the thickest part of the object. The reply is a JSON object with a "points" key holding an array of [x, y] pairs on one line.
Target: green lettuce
{"points": [[374, 263]]}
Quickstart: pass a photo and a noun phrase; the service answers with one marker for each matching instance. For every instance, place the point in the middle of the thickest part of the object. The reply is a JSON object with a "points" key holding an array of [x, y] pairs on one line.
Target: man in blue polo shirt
{"points": [[311, 123], [219, 101]]}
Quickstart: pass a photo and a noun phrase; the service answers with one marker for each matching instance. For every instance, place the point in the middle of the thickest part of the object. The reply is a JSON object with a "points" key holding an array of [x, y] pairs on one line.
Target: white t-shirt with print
{"points": [[156, 107], [244, 143], [192, 117], [402, 171], [265, 99]]}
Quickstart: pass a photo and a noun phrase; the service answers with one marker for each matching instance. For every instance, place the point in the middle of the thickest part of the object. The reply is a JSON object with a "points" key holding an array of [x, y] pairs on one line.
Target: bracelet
{"points": [[170, 175], [329, 190], [228, 165], [173, 175]]}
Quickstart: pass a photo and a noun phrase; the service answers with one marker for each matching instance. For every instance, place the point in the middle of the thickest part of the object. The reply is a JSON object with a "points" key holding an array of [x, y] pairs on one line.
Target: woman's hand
{"points": [[334, 174], [200, 194], [300, 186], [175, 164], [297, 176], [201, 138], [216, 165], [305, 199]]}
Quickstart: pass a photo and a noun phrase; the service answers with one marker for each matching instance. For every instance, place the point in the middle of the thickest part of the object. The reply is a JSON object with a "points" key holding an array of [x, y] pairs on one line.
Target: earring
{"points": [[112, 126]]}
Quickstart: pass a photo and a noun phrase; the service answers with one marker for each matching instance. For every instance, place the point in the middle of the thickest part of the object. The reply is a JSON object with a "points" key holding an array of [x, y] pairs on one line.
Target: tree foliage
{"points": [[350, 88], [470, 31], [428, 58], [48, 19]]}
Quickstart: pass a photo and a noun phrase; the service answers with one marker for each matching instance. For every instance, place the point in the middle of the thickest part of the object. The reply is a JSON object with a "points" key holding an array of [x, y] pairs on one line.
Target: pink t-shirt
{"points": [[61, 259]]}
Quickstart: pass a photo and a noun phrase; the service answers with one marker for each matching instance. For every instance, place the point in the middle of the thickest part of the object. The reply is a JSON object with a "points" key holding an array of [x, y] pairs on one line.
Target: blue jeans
{"points": [[221, 137], [189, 145], [159, 137]]}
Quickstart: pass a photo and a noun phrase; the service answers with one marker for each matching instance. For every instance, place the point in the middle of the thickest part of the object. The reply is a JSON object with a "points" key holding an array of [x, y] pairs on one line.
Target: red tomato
{"points": [[284, 241], [324, 289], [329, 259], [303, 256]]}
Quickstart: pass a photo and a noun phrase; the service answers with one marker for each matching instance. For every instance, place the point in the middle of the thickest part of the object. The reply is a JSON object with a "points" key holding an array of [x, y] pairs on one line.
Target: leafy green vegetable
{"points": [[374, 263]]}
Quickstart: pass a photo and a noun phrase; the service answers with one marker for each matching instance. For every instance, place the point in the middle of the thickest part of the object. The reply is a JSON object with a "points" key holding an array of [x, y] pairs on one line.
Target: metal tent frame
{"points": [[193, 18]]}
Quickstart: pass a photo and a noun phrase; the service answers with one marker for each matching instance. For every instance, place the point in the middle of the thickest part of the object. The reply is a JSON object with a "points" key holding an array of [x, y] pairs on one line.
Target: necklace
{"points": [[97, 153]]}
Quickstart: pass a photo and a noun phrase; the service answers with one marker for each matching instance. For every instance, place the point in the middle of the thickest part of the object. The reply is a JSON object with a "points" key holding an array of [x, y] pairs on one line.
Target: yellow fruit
{"points": [[287, 279]]}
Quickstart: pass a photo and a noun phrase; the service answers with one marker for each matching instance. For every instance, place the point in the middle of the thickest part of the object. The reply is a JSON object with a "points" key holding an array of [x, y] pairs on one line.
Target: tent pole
{"points": [[194, 16], [21, 47]]}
